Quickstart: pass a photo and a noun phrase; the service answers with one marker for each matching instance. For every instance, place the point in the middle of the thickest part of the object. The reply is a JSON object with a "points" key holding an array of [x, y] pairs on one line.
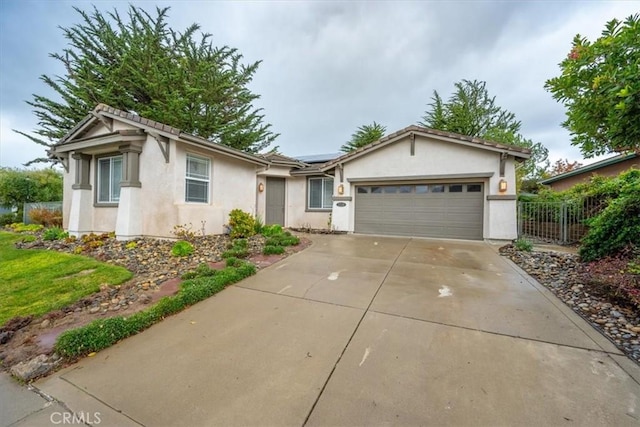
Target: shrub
{"points": [[242, 224], [131, 245], [258, 225], [618, 225], [8, 218], [54, 233], [29, 238], [282, 239], [20, 227], [523, 245], [233, 262], [615, 276], [235, 253], [271, 230], [203, 270], [273, 250], [238, 249], [240, 243], [182, 248], [184, 232], [46, 217], [103, 333]]}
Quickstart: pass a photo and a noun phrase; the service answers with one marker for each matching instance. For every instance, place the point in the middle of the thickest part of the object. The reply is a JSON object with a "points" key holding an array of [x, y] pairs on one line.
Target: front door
{"points": [[275, 201]]}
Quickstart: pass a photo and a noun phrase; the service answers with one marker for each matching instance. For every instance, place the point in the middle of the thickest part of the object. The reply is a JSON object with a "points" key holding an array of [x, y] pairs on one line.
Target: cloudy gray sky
{"points": [[329, 67]]}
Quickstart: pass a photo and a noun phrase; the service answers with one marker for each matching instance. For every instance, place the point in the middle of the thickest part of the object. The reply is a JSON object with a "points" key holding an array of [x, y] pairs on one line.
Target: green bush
{"points": [[523, 245], [103, 333], [618, 225], [8, 218], [202, 270], [240, 244], [54, 233], [182, 248], [235, 253], [271, 230], [242, 224], [233, 262], [258, 225], [239, 249], [273, 250], [20, 227], [282, 239]]}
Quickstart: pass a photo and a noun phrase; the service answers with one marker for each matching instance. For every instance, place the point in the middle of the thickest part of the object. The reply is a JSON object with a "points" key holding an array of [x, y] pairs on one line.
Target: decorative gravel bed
{"points": [[559, 272], [156, 274]]}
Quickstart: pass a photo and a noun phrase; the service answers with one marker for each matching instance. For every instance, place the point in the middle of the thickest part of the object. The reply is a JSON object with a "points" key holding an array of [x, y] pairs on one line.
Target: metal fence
{"points": [[556, 222], [28, 207]]}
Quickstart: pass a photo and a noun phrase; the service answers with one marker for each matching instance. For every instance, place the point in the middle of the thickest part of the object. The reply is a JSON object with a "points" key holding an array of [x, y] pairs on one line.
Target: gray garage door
{"points": [[427, 210]]}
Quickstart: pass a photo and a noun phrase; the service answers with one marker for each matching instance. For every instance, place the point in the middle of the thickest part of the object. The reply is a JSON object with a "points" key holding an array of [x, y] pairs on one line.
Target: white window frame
{"points": [[197, 178], [326, 205], [111, 200]]}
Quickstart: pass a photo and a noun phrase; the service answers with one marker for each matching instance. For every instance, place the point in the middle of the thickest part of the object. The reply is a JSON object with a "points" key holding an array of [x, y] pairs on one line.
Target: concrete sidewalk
{"points": [[361, 330], [22, 406]]}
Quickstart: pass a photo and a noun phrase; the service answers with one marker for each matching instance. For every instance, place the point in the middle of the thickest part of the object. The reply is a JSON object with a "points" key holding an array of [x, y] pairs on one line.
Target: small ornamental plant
{"points": [[182, 248]]}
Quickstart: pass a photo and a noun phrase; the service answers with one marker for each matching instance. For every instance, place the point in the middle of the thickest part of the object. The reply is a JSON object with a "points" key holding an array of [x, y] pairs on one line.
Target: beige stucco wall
{"points": [[433, 158], [162, 192], [232, 186], [296, 214]]}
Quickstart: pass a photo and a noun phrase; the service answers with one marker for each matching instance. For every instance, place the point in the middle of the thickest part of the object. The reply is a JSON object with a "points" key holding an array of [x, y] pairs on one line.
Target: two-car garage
{"points": [[427, 183], [444, 210]]}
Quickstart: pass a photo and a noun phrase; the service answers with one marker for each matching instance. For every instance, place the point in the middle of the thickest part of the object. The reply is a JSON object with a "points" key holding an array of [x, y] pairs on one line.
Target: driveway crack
{"points": [[364, 313]]}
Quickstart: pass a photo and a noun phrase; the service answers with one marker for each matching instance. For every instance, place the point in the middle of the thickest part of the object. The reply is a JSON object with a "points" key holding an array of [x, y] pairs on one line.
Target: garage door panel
{"points": [[444, 215]]}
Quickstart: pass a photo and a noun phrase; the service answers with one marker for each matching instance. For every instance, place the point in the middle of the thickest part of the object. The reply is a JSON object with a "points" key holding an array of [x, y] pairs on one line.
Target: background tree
{"points": [[20, 186], [365, 134], [600, 87], [137, 63], [471, 111], [563, 166]]}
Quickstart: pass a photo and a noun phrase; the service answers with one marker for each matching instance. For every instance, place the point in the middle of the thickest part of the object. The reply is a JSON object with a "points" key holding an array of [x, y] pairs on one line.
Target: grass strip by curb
{"points": [[103, 333]]}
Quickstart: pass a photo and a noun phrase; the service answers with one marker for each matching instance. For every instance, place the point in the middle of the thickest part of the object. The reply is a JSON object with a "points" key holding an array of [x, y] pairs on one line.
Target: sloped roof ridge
{"points": [[430, 131], [159, 126]]}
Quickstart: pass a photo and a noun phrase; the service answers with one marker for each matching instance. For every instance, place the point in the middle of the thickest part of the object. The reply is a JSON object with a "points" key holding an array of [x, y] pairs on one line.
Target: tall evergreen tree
{"points": [[138, 64], [365, 134], [471, 111]]}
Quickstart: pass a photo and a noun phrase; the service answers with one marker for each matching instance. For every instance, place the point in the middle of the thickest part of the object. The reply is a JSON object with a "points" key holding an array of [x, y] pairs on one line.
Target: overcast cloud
{"points": [[329, 67]]}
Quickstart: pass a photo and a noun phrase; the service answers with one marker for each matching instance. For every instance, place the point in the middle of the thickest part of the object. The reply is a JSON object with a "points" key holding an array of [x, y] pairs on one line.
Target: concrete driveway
{"points": [[360, 330]]}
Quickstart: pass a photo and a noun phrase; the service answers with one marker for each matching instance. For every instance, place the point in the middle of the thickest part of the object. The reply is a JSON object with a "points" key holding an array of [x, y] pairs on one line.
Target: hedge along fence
{"points": [[103, 333]]}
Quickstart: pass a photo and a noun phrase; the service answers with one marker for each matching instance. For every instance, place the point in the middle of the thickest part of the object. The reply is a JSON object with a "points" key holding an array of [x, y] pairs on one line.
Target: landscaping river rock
{"points": [[26, 348], [559, 272]]}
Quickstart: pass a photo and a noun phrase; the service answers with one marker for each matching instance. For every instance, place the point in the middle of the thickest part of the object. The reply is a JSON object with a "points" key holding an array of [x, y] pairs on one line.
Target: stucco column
{"points": [[81, 199], [129, 219], [79, 214]]}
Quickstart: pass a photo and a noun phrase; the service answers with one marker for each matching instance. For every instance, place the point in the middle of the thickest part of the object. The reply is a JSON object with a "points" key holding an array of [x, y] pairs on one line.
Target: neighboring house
{"points": [[141, 178], [607, 167]]}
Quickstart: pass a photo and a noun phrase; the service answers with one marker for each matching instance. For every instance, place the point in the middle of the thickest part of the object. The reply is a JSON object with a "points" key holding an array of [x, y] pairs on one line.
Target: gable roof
{"points": [[102, 112], [590, 168], [518, 152]]}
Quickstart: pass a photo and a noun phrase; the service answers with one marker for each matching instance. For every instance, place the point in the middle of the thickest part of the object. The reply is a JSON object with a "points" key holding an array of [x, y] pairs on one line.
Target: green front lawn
{"points": [[38, 281]]}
